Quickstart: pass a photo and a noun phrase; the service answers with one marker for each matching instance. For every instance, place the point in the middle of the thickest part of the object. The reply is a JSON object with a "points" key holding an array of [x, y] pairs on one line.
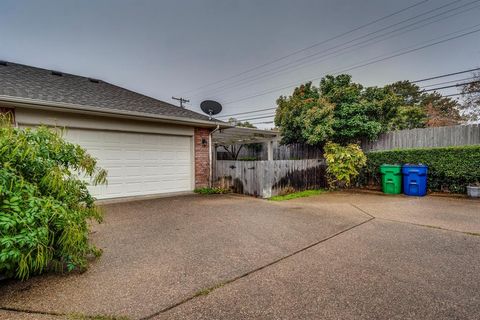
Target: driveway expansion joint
{"points": [[475, 234], [46, 313], [362, 211], [207, 291]]}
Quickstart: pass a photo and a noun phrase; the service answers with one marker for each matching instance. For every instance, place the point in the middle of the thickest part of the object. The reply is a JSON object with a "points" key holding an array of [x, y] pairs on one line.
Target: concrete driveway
{"points": [[334, 256]]}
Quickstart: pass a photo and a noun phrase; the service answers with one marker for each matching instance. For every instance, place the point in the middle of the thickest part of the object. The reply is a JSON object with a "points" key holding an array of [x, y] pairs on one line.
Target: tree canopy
{"points": [[344, 112], [471, 96], [339, 110], [244, 124], [421, 109]]}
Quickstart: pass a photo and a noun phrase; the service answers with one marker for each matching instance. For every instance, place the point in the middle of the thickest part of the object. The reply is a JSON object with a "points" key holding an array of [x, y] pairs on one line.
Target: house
{"points": [[147, 146]]}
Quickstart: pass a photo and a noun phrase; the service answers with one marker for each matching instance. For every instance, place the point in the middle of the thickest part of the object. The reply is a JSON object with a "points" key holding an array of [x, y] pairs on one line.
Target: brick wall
{"points": [[202, 161]]}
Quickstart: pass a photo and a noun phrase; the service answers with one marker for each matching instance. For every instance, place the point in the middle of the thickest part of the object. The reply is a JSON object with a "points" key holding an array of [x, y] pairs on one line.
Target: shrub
{"points": [[449, 169], [343, 163], [287, 190], [44, 202], [208, 190], [296, 195]]}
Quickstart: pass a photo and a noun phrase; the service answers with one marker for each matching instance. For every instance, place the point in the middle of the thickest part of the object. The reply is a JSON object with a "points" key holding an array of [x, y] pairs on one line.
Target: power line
{"points": [[459, 94], [240, 113], [296, 64], [311, 46], [256, 118], [416, 81], [452, 86], [445, 96], [267, 122], [417, 49], [445, 82], [445, 75], [378, 59], [249, 117], [433, 89]]}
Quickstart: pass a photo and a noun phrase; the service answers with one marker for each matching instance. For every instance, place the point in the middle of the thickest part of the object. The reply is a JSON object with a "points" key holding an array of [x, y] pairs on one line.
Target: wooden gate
{"points": [[268, 178]]}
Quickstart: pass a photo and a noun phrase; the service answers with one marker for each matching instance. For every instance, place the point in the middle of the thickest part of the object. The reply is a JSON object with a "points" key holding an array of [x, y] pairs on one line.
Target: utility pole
{"points": [[182, 101]]}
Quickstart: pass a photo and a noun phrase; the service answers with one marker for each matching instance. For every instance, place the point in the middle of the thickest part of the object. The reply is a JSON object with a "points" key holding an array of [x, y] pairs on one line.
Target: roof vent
{"points": [[3, 63], [93, 80], [57, 73]]}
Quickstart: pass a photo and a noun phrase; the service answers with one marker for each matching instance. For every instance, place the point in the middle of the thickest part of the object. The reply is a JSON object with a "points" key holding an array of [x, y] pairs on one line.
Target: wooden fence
{"points": [[415, 138], [426, 137], [268, 178], [294, 151]]}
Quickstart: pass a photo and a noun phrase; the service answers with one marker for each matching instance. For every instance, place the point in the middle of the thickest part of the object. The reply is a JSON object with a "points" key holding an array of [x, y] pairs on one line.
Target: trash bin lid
{"points": [[390, 168], [390, 165], [410, 165]]}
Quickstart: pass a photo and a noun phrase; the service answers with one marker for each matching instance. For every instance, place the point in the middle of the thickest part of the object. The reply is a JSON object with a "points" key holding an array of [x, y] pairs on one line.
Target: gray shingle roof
{"points": [[23, 81]]}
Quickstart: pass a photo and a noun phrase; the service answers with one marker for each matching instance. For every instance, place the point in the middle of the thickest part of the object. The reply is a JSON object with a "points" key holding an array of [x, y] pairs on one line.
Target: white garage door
{"points": [[138, 163]]}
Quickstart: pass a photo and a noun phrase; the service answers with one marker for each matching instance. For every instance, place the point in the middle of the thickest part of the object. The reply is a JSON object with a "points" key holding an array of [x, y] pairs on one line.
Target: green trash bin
{"points": [[391, 178]]}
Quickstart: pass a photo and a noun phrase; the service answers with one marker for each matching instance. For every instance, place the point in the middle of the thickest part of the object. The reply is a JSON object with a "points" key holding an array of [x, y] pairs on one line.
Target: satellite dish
{"points": [[211, 107]]}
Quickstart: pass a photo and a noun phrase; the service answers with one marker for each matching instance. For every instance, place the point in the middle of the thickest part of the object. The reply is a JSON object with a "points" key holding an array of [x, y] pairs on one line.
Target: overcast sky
{"points": [[164, 48]]}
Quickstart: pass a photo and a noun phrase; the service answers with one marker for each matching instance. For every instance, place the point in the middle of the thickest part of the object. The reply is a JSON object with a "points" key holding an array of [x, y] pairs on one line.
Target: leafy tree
{"points": [[471, 97], [354, 116], [342, 111], [422, 109], [318, 122], [244, 124], [339, 110], [44, 202], [409, 117], [442, 111], [289, 116]]}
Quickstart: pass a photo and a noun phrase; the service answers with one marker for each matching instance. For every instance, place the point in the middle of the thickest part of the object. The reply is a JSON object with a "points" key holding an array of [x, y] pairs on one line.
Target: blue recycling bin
{"points": [[415, 179]]}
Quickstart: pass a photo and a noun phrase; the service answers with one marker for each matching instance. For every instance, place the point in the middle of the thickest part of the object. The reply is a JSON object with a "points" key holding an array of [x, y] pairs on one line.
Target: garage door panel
{"points": [[130, 154], [151, 154], [138, 164], [168, 155], [181, 155]]}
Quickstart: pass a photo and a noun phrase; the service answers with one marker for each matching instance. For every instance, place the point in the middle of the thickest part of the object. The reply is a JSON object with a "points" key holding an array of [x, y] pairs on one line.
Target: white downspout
{"points": [[210, 157]]}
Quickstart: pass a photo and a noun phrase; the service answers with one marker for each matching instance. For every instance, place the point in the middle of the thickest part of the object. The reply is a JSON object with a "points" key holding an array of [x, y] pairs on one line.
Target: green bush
{"points": [[44, 202], [296, 195], [343, 163], [450, 169], [208, 190]]}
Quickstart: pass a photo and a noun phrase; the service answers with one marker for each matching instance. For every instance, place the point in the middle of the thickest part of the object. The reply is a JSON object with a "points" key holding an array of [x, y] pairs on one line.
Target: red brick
{"points": [[202, 158]]}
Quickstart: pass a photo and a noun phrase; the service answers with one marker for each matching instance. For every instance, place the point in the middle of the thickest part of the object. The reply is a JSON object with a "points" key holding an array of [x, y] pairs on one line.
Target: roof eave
{"points": [[76, 108]]}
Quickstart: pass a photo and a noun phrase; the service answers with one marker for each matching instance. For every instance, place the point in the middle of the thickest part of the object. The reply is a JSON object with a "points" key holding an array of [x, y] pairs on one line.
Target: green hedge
{"points": [[451, 169]]}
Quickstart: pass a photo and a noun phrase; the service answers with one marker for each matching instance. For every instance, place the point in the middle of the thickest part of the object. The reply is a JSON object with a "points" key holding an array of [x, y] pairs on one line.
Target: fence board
{"points": [[268, 178], [426, 137], [414, 138], [280, 152]]}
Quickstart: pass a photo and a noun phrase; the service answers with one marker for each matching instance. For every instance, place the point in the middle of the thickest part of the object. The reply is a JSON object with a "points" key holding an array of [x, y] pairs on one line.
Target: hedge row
{"points": [[451, 169]]}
